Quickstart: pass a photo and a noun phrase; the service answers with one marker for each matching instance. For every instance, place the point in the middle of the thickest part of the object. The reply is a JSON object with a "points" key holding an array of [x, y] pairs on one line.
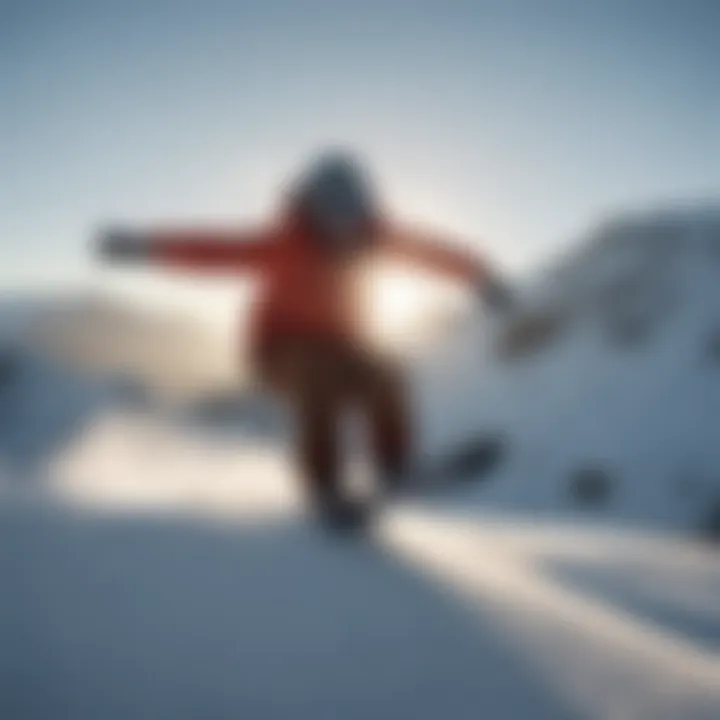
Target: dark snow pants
{"points": [[324, 381]]}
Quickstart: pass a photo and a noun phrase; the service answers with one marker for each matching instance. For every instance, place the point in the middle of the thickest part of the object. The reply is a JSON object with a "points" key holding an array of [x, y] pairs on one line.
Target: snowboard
{"points": [[469, 461]]}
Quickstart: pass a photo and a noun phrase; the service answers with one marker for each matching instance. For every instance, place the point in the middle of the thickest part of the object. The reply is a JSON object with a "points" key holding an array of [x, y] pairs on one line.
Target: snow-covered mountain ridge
{"points": [[623, 381]]}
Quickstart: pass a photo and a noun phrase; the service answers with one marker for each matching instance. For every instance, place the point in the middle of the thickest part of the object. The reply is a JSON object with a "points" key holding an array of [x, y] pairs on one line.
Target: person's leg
{"points": [[383, 393], [318, 408], [313, 379]]}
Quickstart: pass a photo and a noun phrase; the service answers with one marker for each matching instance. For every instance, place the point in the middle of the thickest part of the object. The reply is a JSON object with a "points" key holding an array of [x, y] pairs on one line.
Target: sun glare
{"points": [[401, 306]]}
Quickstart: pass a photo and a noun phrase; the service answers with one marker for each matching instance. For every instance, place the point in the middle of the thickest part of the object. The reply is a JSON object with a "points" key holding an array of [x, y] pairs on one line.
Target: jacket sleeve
{"points": [[437, 255], [192, 250], [212, 250]]}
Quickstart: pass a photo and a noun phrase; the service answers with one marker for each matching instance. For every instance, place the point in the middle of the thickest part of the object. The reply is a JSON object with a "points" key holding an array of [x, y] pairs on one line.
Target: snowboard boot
{"points": [[342, 515], [393, 474]]}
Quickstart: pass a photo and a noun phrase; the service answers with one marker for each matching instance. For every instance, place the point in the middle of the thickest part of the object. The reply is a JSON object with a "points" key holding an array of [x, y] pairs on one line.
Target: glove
{"points": [[497, 295], [123, 246]]}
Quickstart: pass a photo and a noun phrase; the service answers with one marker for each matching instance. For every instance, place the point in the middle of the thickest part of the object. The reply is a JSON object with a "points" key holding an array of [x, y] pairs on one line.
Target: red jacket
{"points": [[307, 290]]}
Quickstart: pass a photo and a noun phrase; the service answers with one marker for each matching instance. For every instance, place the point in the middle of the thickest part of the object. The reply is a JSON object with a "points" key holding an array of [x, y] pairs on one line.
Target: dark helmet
{"points": [[338, 196]]}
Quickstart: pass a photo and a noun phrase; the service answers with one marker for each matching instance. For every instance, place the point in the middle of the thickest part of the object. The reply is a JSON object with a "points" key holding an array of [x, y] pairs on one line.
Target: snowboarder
{"points": [[305, 342]]}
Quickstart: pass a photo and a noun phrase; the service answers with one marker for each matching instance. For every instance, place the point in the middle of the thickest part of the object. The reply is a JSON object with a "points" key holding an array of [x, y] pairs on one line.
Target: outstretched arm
{"points": [[196, 250], [439, 256]]}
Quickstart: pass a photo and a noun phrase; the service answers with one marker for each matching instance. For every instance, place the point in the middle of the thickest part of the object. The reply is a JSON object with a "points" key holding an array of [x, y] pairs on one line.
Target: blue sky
{"points": [[515, 123]]}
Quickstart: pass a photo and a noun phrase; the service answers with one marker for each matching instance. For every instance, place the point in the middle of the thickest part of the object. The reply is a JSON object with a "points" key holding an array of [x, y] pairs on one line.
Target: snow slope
{"points": [[630, 385], [161, 568]]}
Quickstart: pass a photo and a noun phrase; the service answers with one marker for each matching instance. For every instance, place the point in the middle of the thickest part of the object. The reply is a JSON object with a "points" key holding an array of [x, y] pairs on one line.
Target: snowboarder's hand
{"points": [[122, 246], [497, 295]]}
